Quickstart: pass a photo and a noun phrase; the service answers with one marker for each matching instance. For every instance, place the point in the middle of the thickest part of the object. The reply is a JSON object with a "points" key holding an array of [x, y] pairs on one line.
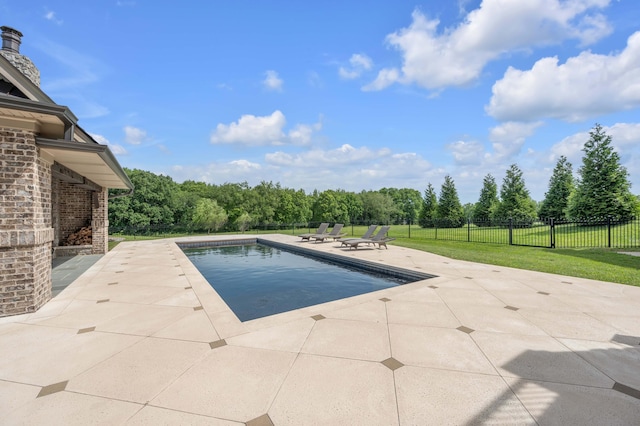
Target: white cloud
{"points": [[79, 69], [385, 78], [466, 153], [134, 135], [585, 86], [358, 63], [302, 133], [457, 56], [272, 81], [314, 79], [254, 130], [346, 167], [115, 149], [51, 16], [346, 154], [508, 138]]}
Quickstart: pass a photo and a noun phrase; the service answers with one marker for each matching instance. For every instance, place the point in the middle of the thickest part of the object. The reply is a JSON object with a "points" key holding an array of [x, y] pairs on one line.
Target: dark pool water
{"points": [[257, 280]]}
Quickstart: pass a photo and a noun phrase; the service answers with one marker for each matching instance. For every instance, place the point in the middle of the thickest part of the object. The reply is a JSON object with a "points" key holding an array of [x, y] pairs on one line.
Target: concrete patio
{"points": [[141, 338]]}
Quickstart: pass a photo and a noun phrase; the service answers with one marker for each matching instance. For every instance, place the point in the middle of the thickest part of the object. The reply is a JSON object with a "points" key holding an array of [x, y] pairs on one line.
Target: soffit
{"points": [[93, 161]]}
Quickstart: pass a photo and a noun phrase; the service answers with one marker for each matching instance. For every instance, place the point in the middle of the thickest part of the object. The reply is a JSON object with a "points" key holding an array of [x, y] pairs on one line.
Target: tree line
{"points": [[159, 200], [601, 189]]}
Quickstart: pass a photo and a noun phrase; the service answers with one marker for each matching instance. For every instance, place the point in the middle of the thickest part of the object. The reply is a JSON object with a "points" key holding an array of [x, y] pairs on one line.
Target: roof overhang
{"points": [[94, 161], [65, 142]]}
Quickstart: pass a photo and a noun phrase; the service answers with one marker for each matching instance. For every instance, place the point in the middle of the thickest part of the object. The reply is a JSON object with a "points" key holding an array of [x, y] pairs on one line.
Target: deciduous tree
{"points": [[209, 215]]}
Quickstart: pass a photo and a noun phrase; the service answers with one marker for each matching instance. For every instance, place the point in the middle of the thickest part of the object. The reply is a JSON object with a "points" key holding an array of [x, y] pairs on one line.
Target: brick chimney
{"points": [[11, 39]]}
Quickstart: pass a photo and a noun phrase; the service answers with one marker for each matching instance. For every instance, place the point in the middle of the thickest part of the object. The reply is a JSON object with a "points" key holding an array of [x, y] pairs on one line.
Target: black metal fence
{"points": [[588, 233], [580, 233]]}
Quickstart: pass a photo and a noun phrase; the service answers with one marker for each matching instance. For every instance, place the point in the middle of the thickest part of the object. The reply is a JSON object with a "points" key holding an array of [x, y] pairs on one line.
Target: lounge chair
{"points": [[322, 229], [380, 238], [334, 234], [367, 235]]}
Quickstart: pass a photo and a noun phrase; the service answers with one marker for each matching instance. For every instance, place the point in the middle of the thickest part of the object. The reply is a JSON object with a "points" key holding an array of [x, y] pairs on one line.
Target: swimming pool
{"points": [[257, 280]]}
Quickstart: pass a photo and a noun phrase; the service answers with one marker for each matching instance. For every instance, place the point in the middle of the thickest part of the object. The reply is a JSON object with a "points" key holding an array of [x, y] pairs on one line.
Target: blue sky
{"points": [[356, 95]]}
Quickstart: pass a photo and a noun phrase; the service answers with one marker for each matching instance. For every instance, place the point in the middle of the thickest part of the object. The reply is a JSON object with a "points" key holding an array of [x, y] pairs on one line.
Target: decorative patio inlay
{"points": [[392, 364], [187, 288], [198, 308], [318, 317], [635, 393], [465, 329], [181, 275], [263, 420], [86, 330], [511, 308], [385, 299], [218, 343], [102, 301], [49, 389]]}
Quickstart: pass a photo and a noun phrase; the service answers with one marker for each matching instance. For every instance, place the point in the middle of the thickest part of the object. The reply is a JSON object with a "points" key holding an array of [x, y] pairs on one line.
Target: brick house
{"points": [[54, 180]]}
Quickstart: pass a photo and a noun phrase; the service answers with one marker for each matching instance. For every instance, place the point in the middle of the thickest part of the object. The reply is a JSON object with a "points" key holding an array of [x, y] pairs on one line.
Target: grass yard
{"points": [[597, 264]]}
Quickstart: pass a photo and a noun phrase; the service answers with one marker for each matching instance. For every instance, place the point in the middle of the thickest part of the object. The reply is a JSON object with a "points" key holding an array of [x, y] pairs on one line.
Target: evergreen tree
{"points": [[449, 212], [429, 208], [487, 202], [603, 188], [515, 202], [561, 186]]}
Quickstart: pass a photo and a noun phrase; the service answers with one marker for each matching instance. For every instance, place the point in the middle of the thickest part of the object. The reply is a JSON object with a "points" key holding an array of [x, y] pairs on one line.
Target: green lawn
{"points": [[599, 264]]}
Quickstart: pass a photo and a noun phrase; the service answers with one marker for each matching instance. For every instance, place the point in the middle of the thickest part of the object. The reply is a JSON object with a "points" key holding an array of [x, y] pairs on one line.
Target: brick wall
{"points": [[25, 224], [74, 209], [100, 222]]}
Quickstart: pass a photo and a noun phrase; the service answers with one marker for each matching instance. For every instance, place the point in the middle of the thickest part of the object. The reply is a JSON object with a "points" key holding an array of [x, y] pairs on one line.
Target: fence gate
{"points": [[539, 233]]}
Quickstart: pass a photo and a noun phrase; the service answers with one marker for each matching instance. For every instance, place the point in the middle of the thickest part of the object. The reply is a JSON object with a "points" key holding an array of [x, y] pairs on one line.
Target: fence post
{"points": [[552, 233], [409, 221], [510, 231], [468, 229], [609, 231]]}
